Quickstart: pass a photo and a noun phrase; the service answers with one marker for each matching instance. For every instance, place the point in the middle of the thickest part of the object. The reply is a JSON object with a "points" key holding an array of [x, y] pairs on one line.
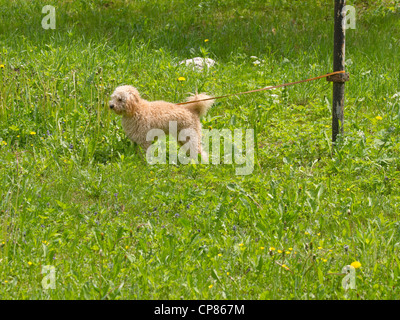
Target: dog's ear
{"points": [[132, 102]]}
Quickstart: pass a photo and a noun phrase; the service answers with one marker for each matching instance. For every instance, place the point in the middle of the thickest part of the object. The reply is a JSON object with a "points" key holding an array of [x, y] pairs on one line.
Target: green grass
{"points": [[76, 195]]}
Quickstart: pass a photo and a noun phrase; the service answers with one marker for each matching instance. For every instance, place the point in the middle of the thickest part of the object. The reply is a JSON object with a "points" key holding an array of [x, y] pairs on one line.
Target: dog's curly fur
{"points": [[139, 116]]}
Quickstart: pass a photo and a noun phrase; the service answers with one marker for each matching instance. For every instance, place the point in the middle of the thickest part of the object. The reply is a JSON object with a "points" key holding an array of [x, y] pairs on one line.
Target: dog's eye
{"points": [[119, 99]]}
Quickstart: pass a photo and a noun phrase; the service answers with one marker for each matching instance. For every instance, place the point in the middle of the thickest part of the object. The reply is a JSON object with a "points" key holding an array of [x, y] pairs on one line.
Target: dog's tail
{"points": [[201, 107]]}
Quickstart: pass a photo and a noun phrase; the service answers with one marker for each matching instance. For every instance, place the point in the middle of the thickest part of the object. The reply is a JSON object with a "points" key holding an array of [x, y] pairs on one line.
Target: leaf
{"points": [[375, 268], [215, 275], [194, 236], [62, 205], [14, 128], [320, 276], [379, 142], [184, 222], [260, 264], [120, 232], [130, 257], [262, 226], [245, 203], [320, 192], [231, 187], [45, 250]]}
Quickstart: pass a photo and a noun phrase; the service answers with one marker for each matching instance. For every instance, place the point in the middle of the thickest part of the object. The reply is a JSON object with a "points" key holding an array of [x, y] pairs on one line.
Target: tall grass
{"points": [[75, 194]]}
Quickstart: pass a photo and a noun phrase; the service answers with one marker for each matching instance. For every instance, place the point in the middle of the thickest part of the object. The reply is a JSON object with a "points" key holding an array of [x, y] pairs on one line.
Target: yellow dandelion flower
{"points": [[32, 133], [356, 264], [306, 233], [210, 286], [262, 248], [219, 255], [279, 251], [324, 260], [290, 249], [181, 79], [127, 247], [241, 245], [287, 252], [206, 40], [319, 248], [1, 66], [378, 118], [30, 263], [318, 234], [271, 249], [227, 273]]}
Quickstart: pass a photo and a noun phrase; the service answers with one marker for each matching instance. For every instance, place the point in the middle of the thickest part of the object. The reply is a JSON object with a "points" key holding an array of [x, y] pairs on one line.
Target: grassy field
{"points": [[75, 194]]}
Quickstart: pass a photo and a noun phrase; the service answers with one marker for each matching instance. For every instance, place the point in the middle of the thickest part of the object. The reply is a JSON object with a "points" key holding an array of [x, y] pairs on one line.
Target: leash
{"points": [[266, 88]]}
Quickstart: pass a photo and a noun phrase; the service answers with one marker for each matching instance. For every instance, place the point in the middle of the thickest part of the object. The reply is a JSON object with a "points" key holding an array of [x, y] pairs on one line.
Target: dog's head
{"points": [[124, 100]]}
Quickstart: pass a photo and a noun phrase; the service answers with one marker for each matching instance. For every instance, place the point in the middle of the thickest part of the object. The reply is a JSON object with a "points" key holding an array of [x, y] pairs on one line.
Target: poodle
{"points": [[140, 116]]}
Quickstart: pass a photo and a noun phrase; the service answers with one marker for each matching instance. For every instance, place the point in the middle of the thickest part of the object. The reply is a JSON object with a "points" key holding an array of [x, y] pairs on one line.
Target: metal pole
{"points": [[338, 65]]}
